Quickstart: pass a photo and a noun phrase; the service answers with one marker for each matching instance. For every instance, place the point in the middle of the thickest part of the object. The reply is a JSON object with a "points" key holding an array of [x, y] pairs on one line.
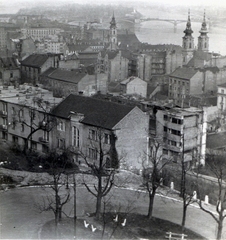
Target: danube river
{"points": [[160, 32]]}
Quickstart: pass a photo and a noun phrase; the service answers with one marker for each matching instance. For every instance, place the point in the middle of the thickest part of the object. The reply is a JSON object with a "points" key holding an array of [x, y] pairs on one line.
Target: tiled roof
{"points": [[128, 39], [161, 47], [66, 75], [48, 71], [184, 73], [202, 55], [96, 112], [112, 54], [114, 87], [35, 60], [77, 48]]}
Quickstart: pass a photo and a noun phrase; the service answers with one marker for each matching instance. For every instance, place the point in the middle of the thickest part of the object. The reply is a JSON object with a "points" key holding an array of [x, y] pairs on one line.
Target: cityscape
{"points": [[112, 120]]}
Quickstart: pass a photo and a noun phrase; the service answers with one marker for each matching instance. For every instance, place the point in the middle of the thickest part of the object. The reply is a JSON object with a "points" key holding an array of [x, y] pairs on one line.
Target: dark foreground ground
{"points": [[137, 226]]}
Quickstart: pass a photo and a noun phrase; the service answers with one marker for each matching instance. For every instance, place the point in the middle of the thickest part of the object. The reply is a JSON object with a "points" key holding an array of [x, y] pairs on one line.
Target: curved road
{"points": [[20, 216]]}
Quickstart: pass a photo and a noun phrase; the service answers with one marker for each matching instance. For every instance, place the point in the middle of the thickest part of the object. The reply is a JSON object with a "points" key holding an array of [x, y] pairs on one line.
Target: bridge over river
{"points": [[175, 22]]}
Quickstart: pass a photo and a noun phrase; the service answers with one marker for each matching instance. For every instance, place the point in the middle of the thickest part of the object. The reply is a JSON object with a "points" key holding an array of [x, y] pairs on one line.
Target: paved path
{"points": [[20, 217]]}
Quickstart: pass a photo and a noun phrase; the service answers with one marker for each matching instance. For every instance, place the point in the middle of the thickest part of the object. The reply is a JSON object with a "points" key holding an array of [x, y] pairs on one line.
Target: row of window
{"points": [[15, 140], [172, 131], [93, 135], [172, 119], [173, 143], [179, 82]]}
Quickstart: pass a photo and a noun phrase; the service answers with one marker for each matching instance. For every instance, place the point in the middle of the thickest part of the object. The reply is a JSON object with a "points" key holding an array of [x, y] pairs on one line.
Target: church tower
{"points": [[113, 34], [188, 42], [203, 39]]}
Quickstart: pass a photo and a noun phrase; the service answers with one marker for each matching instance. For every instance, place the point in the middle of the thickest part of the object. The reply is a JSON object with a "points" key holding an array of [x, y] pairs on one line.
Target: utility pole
{"points": [[75, 214], [183, 171]]}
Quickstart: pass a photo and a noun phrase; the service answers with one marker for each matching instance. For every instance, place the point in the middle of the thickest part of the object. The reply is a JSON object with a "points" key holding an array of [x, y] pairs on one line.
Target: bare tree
{"points": [[57, 164], [36, 117], [216, 165], [153, 167], [103, 164], [187, 190]]}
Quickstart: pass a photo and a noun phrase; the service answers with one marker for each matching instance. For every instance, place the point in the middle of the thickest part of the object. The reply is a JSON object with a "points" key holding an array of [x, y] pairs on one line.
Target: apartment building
{"points": [[38, 33], [9, 71], [183, 132], [22, 110], [35, 64]]}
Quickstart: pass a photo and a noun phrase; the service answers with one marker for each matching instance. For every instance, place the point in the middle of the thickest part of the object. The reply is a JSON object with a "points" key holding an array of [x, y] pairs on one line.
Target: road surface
{"points": [[20, 216]]}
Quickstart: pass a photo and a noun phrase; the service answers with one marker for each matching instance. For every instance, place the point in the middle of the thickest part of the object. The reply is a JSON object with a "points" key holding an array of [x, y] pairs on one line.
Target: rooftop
{"points": [[35, 60], [66, 75], [184, 73], [96, 112]]}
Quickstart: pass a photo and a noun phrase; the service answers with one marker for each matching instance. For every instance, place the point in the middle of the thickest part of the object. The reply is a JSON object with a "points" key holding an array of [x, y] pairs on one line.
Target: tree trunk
{"points": [[151, 203], [99, 197], [219, 228], [184, 215]]}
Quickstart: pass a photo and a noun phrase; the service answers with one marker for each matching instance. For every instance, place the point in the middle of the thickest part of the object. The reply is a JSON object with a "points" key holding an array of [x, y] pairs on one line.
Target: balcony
{"points": [[3, 113], [3, 127], [43, 140]]}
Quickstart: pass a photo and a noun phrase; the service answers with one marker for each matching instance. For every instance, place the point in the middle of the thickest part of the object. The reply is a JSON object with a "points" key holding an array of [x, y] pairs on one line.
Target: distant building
{"points": [[9, 71], [155, 61], [64, 82], [38, 33], [187, 82], [35, 64], [134, 85], [221, 97]]}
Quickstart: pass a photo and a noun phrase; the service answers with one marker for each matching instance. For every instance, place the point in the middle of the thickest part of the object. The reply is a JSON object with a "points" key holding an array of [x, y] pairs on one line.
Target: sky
{"points": [[12, 6]]}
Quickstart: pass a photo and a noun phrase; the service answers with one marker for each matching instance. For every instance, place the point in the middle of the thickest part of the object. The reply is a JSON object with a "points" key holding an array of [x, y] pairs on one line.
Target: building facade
{"points": [[86, 122], [221, 97], [184, 134], [22, 110]]}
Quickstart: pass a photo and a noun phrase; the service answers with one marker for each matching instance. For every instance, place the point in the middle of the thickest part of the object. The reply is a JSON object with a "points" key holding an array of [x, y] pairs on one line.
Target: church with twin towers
{"points": [[188, 46]]}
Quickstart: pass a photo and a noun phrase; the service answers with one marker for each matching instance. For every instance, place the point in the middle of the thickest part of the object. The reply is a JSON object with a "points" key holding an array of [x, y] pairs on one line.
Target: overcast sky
{"points": [[12, 6]]}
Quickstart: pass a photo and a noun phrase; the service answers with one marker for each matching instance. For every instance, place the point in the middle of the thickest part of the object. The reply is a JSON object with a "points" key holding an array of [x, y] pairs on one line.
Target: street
{"points": [[21, 217]]}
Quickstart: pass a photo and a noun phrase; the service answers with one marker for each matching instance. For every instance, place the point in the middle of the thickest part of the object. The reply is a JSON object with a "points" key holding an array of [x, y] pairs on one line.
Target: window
{"points": [[107, 138], [33, 145], [15, 139], [61, 143], [4, 107], [22, 127], [45, 148], [11, 75], [165, 117], [176, 132], [177, 121], [165, 151], [92, 134], [61, 126], [92, 153], [165, 129], [13, 112], [21, 113], [222, 91], [14, 125], [46, 136], [4, 135], [75, 137]]}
